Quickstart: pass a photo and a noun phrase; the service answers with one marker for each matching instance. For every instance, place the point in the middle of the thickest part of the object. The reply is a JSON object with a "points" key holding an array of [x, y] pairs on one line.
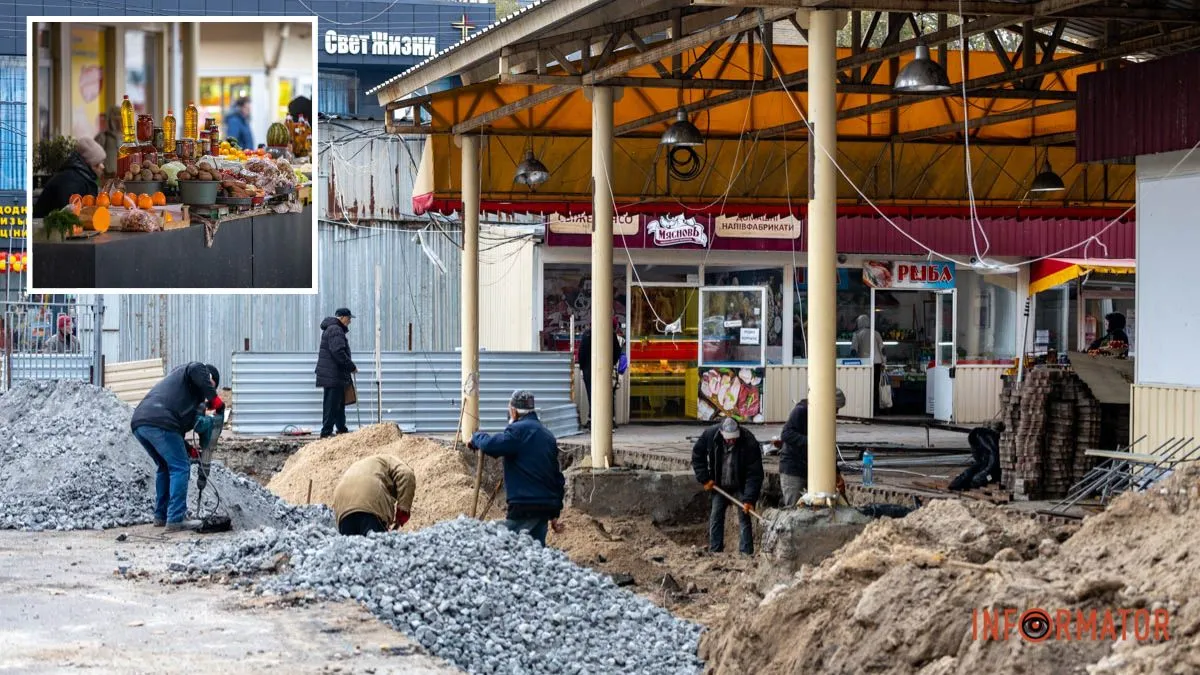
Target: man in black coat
{"points": [[334, 368], [585, 356], [78, 176], [793, 458], [728, 456], [169, 411]]}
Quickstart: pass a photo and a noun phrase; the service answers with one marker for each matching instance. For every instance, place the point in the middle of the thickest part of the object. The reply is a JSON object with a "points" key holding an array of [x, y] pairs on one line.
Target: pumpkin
{"points": [[103, 200], [89, 200], [99, 219], [159, 199], [144, 202], [277, 135], [118, 198]]}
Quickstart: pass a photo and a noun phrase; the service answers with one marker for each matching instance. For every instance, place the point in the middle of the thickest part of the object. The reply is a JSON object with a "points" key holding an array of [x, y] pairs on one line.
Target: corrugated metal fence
{"points": [[415, 291], [421, 391]]}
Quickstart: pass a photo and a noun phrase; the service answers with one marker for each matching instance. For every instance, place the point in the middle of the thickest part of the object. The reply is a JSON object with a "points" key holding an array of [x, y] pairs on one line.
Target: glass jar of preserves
{"points": [[145, 128], [186, 148]]}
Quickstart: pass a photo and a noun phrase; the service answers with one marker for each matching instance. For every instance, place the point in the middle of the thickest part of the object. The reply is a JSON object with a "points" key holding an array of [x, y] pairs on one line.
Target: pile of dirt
{"points": [[910, 595], [445, 480]]}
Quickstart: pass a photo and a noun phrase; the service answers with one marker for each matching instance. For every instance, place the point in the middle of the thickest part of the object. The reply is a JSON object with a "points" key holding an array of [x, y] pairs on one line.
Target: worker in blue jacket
{"points": [[533, 481]]}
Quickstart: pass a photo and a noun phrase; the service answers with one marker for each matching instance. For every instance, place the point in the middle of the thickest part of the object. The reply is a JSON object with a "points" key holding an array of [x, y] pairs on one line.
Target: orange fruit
{"points": [[117, 198], [144, 202], [89, 200], [103, 200], [158, 199]]}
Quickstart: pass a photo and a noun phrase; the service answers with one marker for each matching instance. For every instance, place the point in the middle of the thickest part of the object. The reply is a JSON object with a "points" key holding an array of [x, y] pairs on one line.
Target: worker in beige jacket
{"points": [[374, 495]]}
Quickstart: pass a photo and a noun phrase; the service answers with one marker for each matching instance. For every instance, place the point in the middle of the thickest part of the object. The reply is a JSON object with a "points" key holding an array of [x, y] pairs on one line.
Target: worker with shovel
{"points": [[534, 485], [727, 461], [374, 495], [159, 423]]}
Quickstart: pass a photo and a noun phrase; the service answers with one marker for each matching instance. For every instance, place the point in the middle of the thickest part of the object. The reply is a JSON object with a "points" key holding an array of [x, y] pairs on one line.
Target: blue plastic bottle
{"points": [[868, 468]]}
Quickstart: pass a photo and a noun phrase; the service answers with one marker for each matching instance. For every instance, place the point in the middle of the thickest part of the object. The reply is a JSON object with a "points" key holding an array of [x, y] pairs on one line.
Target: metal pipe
{"points": [[470, 286], [602, 277], [822, 258]]}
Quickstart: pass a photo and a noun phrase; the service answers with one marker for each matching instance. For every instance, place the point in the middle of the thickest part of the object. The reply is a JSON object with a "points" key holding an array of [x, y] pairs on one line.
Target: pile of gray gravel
{"points": [[472, 593], [68, 461]]}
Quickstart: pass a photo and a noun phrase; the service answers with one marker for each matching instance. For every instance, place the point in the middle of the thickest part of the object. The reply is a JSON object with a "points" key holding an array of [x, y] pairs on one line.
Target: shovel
{"points": [[738, 504]]}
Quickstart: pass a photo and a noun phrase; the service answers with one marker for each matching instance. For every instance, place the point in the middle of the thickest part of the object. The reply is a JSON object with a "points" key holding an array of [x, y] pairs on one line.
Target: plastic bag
{"points": [[140, 221], [885, 392]]}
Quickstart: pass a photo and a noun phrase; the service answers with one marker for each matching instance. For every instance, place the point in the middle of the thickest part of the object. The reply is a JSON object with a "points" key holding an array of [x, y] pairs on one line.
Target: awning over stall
{"points": [[1052, 272]]}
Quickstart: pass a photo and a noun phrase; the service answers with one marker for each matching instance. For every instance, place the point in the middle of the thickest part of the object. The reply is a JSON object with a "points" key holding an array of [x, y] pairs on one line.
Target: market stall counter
{"points": [[264, 250]]}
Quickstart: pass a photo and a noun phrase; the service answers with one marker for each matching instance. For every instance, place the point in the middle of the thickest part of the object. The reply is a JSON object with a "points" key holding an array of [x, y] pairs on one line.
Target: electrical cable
{"points": [[687, 168]]}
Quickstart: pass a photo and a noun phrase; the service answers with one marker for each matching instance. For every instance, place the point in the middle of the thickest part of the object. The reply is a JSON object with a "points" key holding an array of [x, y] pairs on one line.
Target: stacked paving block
{"points": [[1050, 419]]}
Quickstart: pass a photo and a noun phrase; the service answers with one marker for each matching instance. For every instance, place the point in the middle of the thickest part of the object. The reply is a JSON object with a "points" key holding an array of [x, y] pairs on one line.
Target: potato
{"points": [[184, 175], [147, 175], [205, 175], [128, 176], [205, 166], [160, 176], [151, 166], [135, 168]]}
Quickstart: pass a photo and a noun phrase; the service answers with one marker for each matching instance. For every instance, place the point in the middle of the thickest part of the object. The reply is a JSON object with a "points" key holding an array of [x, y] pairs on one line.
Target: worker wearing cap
{"points": [[159, 422], [64, 341], [534, 485], [374, 495], [729, 457], [334, 371], [793, 458]]}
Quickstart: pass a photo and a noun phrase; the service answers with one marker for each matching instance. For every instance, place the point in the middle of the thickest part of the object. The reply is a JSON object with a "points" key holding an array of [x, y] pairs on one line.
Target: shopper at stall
{"points": [[1115, 333], [110, 138], [237, 123], [729, 457], [63, 341], [585, 354], [868, 343], [78, 176], [334, 371]]}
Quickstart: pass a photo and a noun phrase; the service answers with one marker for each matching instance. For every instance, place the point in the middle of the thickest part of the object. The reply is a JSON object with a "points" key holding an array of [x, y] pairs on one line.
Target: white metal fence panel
{"points": [[420, 391]]}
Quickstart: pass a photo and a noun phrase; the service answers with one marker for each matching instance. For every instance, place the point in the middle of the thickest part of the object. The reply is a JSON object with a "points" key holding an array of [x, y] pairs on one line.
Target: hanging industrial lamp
{"points": [[1047, 180], [922, 75], [531, 171], [682, 133]]}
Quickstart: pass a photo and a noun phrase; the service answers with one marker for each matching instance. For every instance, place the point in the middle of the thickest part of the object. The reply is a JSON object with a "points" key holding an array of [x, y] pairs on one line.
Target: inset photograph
{"points": [[173, 155]]}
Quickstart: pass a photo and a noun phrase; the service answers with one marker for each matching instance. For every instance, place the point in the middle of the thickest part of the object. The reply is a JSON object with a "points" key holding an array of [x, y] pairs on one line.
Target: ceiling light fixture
{"points": [[682, 133], [531, 171], [922, 75], [1047, 180]]}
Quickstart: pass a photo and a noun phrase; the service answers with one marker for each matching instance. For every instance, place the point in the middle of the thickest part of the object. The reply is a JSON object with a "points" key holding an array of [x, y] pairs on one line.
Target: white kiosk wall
{"points": [[1168, 244]]}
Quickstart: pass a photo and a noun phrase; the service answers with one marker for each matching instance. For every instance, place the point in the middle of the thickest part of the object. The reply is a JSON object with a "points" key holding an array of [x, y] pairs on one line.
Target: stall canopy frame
{"points": [[1052, 272]]}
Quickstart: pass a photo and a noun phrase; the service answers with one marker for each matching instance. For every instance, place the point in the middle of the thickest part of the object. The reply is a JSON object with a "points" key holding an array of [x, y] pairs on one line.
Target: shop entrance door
{"points": [[663, 348], [733, 352], [941, 375]]}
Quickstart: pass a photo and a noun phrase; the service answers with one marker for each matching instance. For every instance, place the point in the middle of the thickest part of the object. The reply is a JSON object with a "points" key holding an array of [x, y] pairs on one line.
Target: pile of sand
{"points": [[445, 481], [889, 602]]}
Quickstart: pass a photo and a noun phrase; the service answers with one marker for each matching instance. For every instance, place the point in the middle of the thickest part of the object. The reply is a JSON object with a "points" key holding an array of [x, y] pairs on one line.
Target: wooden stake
{"points": [[308, 499], [491, 499]]}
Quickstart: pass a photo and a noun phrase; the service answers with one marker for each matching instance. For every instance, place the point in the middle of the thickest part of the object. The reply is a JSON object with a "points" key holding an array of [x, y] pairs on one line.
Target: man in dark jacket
{"points": [[533, 481], [585, 359], [793, 458], [78, 176], [728, 456], [334, 368], [169, 411]]}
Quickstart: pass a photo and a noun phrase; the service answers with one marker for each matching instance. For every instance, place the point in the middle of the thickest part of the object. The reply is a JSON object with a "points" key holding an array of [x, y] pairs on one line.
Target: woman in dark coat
{"points": [[79, 176]]}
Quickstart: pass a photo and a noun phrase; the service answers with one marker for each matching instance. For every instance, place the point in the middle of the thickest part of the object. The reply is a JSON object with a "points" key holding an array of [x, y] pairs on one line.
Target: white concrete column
{"points": [[822, 258], [470, 285], [602, 276]]}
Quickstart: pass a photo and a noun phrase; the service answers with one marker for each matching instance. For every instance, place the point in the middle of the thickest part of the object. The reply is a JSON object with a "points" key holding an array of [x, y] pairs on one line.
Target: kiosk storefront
{"points": [[713, 316]]}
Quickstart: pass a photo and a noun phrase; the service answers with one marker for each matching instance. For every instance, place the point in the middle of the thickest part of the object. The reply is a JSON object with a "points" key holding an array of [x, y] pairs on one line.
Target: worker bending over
{"points": [[170, 410], [729, 457], [793, 459], [533, 481], [374, 495]]}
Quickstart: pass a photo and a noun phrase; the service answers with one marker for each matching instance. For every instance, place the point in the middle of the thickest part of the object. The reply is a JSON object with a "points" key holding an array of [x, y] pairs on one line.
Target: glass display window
{"points": [[988, 316], [663, 350], [774, 316], [566, 293], [853, 301], [217, 95]]}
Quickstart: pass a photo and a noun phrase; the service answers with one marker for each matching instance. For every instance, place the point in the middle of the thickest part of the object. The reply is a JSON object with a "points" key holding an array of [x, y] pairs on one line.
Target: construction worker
{"points": [[334, 371], [729, 457], [169, 411], [793, 458], [374, 495], [534, 485]]}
